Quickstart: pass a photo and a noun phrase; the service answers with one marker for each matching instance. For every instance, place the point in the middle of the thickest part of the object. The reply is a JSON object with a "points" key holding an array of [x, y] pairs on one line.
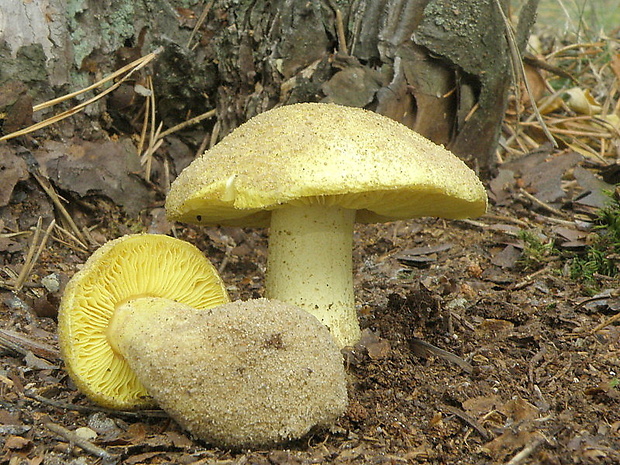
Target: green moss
{"points": [[601, 256], [537, 250], [106, 29]]}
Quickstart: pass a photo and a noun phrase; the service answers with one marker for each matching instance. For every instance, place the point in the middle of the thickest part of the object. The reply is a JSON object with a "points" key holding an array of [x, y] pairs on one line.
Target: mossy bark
{"points": [[439, 66]]}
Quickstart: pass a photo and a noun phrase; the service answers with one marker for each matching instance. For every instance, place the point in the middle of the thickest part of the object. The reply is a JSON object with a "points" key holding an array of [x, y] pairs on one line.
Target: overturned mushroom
{"points": [[147, 321], [132, 266], [309, 171]]}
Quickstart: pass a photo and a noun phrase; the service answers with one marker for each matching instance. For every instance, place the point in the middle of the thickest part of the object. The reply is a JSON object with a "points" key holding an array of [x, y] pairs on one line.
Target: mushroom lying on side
{"points": [[309, 171], [143, 265], [147, 321]]}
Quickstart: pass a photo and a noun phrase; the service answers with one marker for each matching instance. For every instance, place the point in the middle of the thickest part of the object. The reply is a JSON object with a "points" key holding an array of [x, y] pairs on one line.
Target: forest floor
{"points": [[493, 340]]}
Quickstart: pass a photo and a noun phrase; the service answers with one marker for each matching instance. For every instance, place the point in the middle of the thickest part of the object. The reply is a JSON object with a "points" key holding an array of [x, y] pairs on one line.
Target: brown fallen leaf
{"points": [[15, 106], [507, 257], [96, 168], [12, 170], [376, 347], [17, 443], [541, 174]]}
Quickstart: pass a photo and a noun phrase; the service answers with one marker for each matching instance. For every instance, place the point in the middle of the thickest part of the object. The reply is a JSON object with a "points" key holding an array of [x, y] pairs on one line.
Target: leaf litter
{"points": [[469, 354]]}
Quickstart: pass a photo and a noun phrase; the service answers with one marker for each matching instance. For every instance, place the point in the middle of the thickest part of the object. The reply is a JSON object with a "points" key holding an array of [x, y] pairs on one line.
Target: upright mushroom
{"points": [[309, 171]]}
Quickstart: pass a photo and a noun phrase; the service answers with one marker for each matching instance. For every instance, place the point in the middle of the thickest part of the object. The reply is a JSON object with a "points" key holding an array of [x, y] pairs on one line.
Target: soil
{"points": [[466, 357]]}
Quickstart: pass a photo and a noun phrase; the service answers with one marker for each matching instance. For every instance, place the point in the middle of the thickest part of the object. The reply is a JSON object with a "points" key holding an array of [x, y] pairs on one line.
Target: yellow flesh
{"points": [[123, 269]]}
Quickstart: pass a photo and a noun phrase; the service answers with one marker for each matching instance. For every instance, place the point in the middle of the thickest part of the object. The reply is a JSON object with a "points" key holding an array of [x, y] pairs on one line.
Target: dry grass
{"points": [[576, 88]]}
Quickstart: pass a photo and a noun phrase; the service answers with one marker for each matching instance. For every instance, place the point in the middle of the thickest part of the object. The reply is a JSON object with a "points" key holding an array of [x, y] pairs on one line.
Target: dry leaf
{"points": [[16, 443], [519, 410], [615, 65], [536, 83], [96, 168], [12, 170], [581, 101], [481, 405], [376, 347]]}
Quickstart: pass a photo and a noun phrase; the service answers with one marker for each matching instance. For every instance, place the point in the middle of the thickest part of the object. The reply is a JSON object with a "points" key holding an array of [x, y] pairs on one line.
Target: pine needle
{"points": [[34, 252], [519, 71], [129, 69]]}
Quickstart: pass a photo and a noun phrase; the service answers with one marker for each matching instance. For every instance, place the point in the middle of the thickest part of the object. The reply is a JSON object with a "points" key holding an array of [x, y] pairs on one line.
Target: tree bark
{"points": [[441, 67]]}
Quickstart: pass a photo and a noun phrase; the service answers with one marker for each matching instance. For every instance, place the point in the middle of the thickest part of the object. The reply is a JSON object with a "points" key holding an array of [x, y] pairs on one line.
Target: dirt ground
{"points": [[467, 356], [476, 349]]}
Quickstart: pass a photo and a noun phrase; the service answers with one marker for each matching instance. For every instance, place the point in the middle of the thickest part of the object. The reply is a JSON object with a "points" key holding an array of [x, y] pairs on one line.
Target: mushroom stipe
{"points": [[239, 375], [124, 269]]}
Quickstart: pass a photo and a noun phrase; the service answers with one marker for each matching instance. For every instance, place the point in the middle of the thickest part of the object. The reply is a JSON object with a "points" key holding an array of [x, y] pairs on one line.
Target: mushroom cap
{"points": [[243, 374], [316, 153], [122, 269]]}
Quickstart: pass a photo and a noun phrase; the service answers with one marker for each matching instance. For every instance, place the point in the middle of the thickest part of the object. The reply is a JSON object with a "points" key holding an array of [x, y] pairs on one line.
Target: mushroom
{"points": [[240, 375], [309, 171], [147, 321], [146, 265]]}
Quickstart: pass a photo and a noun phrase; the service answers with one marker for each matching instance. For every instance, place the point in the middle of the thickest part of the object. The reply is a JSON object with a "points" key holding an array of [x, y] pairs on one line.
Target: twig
{"points": [[519, 71], [90, 409], [78, 248], [145, 122], [507, 219], [607, 295], [467, 419], [154, 143], [526, 451], [49, 190], [342, 41], [21, 345], [215, 133], [573, 47], [528, 279], [423, 348], [477, 224], [189, 122], [533, 361], [201, 20], [14, 234], [23, 274], [542, 204], [605, 323], [340, 32], [33, 253], [108, 459], [203, 145]]}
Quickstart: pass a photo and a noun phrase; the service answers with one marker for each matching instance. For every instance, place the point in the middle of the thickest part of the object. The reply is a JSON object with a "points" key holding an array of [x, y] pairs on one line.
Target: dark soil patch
{"points": [[519, 369]]}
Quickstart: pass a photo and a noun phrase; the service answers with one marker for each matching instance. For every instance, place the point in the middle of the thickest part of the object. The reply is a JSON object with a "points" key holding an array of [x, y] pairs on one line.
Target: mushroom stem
{"points": [[246, 374], [310, 265], [137, 311]]}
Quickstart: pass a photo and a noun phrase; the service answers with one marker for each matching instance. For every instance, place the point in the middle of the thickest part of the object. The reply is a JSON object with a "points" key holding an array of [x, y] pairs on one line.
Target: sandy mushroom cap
{"points": [[243, 374], [123, 269], [312, 153]]}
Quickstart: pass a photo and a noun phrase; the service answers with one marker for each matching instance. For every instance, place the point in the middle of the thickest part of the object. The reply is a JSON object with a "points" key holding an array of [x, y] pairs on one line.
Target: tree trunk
{"points": [[442, 67]]}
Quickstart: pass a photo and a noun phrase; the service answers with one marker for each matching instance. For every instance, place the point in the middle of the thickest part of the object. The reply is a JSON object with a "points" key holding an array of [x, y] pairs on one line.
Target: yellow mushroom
{"points": [[145, 265], [309, 171], [147, 321]]}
